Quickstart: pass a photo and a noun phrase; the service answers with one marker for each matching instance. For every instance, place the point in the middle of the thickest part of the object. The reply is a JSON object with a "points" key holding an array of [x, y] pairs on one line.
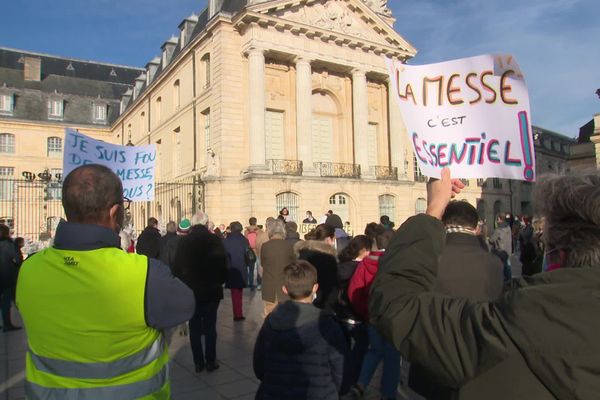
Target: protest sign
{"points": [[134, 165], [471, 115]]}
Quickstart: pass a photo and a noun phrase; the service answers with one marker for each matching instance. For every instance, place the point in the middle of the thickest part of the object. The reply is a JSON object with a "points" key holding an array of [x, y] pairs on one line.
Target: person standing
{"points": [[291, 232], [236, 246], [251, 233], [148, 243], [9, 268], [275, 255], [171, 234], [309, 218], [201, 263], [94, 314], [168, 253], [285, 214], [318, 249], [501, 241]]}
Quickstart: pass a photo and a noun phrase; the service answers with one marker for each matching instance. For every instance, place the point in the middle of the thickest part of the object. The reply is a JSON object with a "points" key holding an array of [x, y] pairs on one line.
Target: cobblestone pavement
{"points": [[234, 380]]}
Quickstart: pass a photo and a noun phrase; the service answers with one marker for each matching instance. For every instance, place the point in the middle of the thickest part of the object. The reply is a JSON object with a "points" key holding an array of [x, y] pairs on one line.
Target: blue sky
{"points": [[556, 42]]}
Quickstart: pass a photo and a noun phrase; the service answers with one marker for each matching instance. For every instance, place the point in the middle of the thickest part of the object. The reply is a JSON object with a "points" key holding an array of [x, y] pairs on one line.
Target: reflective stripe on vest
{"points": [[99, 370], [129, 391]]}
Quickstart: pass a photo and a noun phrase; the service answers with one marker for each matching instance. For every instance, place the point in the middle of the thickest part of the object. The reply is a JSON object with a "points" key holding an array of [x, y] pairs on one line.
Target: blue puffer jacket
{"points": [[299, 354]]}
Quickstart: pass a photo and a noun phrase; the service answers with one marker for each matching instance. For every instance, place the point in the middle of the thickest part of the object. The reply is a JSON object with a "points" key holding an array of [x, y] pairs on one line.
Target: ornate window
{"points": [[387, 206], [206, 69], [55, 109], [420, 206], [6, 104], [288, 200], [6, 183], [54, 147], [7, 143], [176, 95], [100, 111]]}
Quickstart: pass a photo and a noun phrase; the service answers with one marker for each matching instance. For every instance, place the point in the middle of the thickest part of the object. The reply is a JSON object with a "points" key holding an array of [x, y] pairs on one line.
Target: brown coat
{"points": [[275, 255]]}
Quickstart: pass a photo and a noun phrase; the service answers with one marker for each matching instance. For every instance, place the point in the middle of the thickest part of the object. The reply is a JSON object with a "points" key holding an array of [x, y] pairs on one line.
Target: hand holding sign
{"points": [[470, 114], [134, 165]]}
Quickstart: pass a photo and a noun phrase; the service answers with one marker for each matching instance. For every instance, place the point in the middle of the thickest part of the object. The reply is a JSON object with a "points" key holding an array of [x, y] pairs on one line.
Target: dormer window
{"points": [[6, 104], [100, 113], [55, 109]]}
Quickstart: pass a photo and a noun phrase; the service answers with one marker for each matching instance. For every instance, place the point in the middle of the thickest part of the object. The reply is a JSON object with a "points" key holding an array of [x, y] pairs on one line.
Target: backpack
{"points": [[250, 257], [251, 236]]}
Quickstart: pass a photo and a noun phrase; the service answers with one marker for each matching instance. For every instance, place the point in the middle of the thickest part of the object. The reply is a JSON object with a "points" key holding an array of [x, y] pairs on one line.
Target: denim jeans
{"points": [[379, 350], [204, 322], [358, 341], [251, 275]]}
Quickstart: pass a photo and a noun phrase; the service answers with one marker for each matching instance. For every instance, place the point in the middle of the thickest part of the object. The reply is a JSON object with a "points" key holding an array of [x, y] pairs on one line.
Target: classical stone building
{"points": [[272, 104]]}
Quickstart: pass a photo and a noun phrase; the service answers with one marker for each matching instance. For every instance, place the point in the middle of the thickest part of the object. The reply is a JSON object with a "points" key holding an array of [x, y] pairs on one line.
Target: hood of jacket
{"points": [[314, 245], [371, 263], [296, 326]]}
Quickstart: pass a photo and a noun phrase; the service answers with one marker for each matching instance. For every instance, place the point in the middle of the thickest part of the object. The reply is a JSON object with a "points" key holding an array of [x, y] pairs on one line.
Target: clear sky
{"points": [[556, 42]]}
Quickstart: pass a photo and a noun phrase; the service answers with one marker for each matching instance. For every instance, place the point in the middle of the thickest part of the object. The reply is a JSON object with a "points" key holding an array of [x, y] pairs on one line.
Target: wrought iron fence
{"points": [[286, 167], [337, 170], [33, 208], [386, 173]]}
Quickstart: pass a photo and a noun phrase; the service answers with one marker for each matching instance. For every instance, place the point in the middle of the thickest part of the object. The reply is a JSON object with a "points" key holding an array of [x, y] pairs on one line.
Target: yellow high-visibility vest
{"points": [[87, 333]]}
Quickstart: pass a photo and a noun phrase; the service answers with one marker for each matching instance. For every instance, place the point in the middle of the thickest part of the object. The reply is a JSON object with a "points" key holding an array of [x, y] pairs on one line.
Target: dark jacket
{"points": [[201, 263], [343, 308], [538, 341], [163, 243], [236, 245], [8, 263], [322, 256], [465, 269], [275, 255], [148, 243], [299, 354]]}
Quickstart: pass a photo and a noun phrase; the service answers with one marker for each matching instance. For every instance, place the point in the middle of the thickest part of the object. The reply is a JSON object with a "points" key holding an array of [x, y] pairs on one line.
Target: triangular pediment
{"points": [[351, 18]]}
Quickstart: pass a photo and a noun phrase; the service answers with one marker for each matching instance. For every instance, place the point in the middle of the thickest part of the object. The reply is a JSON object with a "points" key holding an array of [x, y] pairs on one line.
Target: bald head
{"points": [[90, 192]]}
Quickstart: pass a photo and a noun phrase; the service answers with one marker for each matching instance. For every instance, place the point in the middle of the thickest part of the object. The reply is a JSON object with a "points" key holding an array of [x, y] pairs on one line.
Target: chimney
{"points": [[187, 27], [214, 7], [151, 68], [32, 69], [168, 48], [125, 99], [139, 84]]}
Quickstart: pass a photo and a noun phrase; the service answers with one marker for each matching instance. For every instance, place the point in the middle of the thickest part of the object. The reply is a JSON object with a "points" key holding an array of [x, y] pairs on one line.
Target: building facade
{"points": [[272, 104]]}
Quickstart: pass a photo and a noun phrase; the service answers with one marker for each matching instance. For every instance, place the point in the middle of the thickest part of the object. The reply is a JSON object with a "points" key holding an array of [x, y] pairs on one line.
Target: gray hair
{"points": [[276, 228], [571, 207], [200, 218]]}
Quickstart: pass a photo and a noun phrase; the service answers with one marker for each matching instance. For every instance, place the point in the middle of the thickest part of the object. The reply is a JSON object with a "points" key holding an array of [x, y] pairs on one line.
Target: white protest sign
{"points": [[471, 115], [134, 165]]}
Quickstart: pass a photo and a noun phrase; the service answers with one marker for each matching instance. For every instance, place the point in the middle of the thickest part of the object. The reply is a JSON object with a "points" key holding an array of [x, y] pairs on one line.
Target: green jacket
{"points": [[540, 340]]}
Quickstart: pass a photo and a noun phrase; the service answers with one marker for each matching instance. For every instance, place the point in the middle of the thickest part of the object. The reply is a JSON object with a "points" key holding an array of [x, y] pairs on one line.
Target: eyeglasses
{"points": [[126, 203]]}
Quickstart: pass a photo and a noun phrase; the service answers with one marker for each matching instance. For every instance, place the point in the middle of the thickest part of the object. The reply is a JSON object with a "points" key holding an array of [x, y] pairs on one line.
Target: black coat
{"points": [[299, 354], [148, 243], [323, 257], [201, 263], [8, 263], [236, 245], [163, 243], [343, 308], [539, 340]]}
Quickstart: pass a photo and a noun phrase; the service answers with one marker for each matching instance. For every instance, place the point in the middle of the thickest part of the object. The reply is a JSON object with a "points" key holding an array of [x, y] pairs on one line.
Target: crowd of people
{"points": [[438, 293]]}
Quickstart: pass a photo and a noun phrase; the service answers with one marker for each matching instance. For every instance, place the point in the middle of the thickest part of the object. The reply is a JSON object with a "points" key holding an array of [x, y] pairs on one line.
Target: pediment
{"points": [[352, 18]]}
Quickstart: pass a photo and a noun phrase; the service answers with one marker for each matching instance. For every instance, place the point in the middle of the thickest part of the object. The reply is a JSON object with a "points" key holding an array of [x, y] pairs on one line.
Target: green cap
{"points": [[185, 225]]}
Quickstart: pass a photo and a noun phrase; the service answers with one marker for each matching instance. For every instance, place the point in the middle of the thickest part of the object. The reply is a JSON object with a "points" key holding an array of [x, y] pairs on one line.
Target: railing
{"points": [[465, 182], [481, 183], [286, 167], [337, 170], [497, 183], [419, 177], [385, 173]]}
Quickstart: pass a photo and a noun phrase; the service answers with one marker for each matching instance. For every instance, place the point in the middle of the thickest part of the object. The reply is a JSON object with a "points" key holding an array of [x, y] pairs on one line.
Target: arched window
{"points": [[498, 208], [54, 147], [176, 95], [481, 209], [7, 143], [206, 69], [387, 206], [288, 200], [340, 205], [420, 206]]}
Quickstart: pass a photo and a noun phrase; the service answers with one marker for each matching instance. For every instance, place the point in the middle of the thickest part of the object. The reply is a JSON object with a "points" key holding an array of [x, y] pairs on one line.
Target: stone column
{"points": [[256, 62], [360, 107], [397, 133], [304, 113]]}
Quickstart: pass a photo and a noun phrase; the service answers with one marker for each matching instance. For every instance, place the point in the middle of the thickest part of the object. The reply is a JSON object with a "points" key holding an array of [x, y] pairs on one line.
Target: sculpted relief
{"points": [[334, 16], [379, 6]]}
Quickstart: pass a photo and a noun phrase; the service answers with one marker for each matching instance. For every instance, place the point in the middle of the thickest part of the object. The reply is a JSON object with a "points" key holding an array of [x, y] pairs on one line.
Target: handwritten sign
{"points": [[134, 165], [471, 115]]}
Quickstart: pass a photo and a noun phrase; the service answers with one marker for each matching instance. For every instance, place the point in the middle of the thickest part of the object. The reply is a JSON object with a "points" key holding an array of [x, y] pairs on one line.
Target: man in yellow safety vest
{"points": [[94, 313]]}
